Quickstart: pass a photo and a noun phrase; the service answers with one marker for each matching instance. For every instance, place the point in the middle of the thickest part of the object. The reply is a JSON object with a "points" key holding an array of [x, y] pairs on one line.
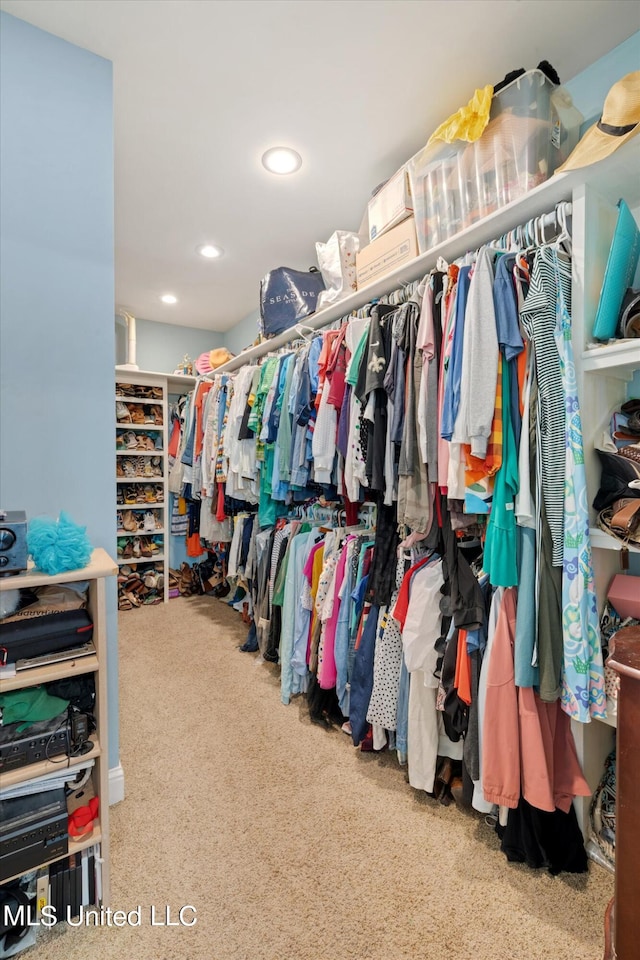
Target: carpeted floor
{"points": [[290, 844]]}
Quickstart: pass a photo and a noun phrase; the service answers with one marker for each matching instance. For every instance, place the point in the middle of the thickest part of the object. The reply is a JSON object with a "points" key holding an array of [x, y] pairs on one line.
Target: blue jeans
{"points": [[403, 714]]}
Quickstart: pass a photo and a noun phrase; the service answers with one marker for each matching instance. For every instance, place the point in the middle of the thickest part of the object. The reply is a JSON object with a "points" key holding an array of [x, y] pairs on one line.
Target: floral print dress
{"points": [[583, 692]]}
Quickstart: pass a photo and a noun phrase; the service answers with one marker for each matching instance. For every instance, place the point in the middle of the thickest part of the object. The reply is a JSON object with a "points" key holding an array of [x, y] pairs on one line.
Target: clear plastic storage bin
{"points": [[532, 129]]}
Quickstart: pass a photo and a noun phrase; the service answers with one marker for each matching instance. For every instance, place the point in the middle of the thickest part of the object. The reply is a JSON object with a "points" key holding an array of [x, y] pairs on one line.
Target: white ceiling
{"points": [[203, 87]]}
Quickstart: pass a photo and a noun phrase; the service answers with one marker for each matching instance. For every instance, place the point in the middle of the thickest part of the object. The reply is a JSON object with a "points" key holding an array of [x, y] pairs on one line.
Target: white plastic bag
{"points": [[337, 262]]}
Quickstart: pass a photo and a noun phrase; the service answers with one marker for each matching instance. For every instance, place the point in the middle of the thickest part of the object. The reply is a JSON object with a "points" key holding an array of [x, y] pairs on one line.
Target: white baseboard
{"points": [[116, 785]]}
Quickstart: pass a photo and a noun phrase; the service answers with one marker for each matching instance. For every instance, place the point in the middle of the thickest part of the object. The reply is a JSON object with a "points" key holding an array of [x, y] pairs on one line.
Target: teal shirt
{"points": [[501, 546]]}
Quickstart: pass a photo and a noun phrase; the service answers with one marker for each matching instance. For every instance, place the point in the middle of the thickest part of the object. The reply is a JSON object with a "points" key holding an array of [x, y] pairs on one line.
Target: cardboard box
{"points": [[391, 204], [391, 250]]}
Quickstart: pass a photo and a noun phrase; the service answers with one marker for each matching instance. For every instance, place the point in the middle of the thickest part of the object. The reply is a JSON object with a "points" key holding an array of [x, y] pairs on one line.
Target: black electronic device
{"points": [[13, 542], [42, 740], [34, 636], [33, 829]]}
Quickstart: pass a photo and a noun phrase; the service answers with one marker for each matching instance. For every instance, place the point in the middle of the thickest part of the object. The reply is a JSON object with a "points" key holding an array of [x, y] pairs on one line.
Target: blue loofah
{"points": [[58, 545]]}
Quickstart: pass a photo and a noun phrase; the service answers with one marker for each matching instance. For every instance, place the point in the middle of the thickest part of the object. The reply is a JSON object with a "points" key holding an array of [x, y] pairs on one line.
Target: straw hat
{"points": [[619, 122]]}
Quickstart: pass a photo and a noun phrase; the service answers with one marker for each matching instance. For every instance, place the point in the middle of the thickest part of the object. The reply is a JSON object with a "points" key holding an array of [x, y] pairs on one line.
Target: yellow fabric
{"points": [[469, 122]]}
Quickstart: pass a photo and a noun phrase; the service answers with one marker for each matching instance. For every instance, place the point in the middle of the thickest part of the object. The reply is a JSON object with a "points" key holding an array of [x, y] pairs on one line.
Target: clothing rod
{"points": [[534, 204]]}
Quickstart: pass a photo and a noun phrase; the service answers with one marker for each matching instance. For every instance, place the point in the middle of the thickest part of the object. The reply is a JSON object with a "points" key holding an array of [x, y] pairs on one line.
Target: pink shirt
{"points": [[527, 744], [327, 670]]}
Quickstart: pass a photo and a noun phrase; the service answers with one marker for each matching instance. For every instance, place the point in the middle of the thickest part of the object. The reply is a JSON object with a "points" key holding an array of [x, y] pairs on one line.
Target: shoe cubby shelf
{"points": [[129, 561], [147, 427], [137, 452], [141, 401], [131, 489], [157, 480], [159, 532], [621, 358]]}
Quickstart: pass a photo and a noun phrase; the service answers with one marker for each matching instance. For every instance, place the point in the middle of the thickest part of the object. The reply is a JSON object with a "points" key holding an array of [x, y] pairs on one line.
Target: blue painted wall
{"points": [[590, 87], [243, 334], [57, 278], [161, 346]]}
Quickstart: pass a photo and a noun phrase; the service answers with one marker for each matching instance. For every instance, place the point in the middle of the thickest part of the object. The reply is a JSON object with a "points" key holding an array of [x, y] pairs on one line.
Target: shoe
{"points": [[119, 468], [128, 522], [137, 547], [149, 524], [130, 495], [119, 495], [320, 720], [123, 414]]}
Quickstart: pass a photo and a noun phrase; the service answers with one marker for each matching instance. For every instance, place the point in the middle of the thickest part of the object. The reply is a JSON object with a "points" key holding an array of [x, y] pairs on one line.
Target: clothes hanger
{"points": [[563, 242], [303, 331]]}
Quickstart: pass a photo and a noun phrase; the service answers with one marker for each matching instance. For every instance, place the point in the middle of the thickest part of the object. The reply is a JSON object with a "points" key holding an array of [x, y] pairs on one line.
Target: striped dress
{"points": [[538, 317]]}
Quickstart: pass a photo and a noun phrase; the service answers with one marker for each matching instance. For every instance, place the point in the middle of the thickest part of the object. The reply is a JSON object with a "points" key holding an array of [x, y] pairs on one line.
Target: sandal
{"points": [[128, 466], [123, 414], [145, 547], [137, 414], [124, 603], [132, 598], [150, 493], [156, 413], [130, 495], [119, 469]]}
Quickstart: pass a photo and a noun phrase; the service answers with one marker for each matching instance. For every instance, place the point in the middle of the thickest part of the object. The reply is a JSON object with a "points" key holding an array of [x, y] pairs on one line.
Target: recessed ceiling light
{"points": [[210, 251], [169, 298], [281, 160]]}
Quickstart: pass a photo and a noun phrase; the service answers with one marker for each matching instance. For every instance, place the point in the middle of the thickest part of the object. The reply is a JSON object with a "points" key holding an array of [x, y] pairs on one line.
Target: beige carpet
{"points": [[291, 844]]}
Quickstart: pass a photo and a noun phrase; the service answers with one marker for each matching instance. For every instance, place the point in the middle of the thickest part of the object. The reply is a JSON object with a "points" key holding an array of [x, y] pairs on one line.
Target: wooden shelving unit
{"points": [[100, 567]]}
